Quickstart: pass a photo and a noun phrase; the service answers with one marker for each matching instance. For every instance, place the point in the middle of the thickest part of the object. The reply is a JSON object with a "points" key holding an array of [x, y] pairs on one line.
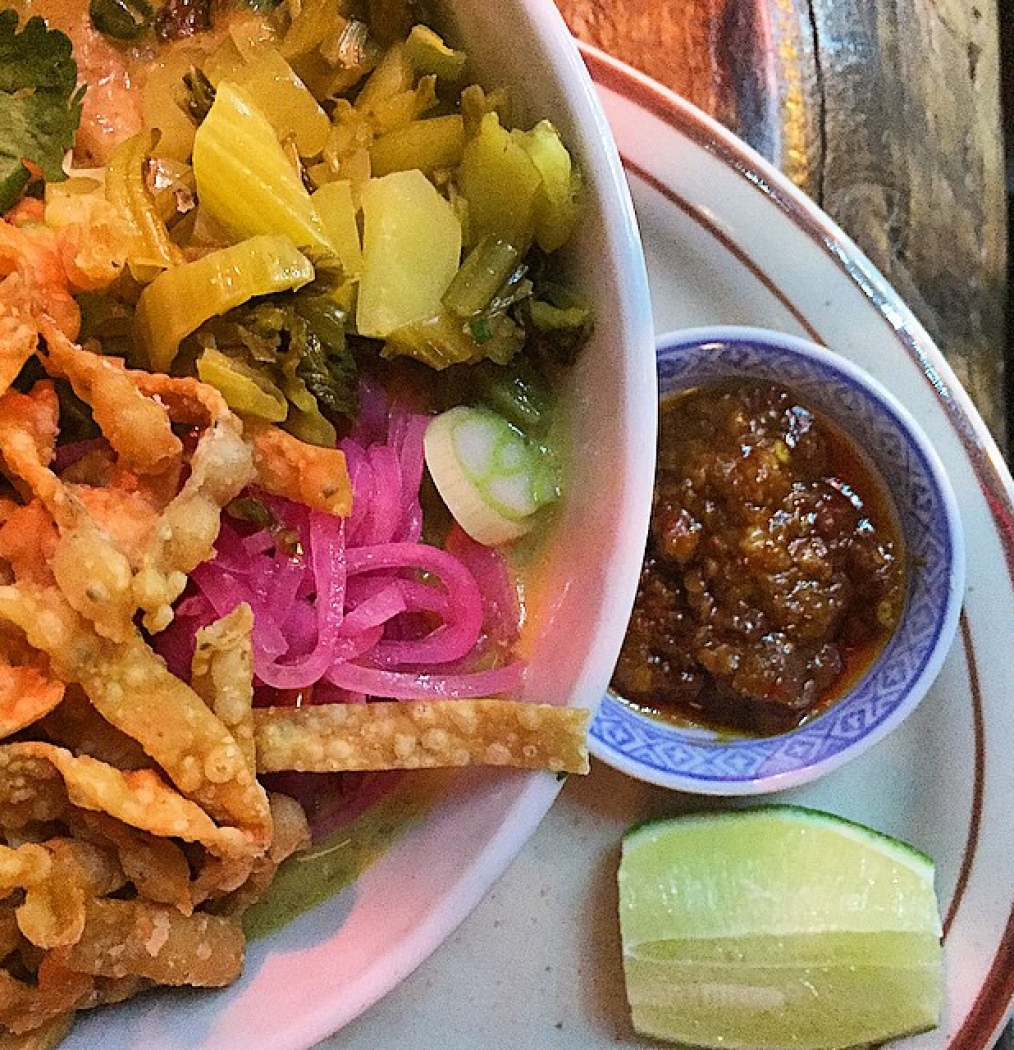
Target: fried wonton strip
{"points": [[26, 1008], [138, 938], [26, 695], [19, 333], [53, 912], [46, 1037], [93, 237], [291, 834], [28, 540], [219, 877], [184, 536], [185, 738], [222, 673], [137, 797], [304, 473], [25, 866], [10, 934], [28, 428], [421, 735], [31, 791], [128, 517], [94, 575], [31, 254], [156, 866], [136, 426], [95, 578], [77, 726], [108, 990], [133, 689], [96, 866], [188, 399]]}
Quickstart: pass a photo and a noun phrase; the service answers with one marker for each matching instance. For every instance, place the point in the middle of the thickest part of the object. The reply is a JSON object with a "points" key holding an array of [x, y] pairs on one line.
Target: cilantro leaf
{"points": [[40, 103]]}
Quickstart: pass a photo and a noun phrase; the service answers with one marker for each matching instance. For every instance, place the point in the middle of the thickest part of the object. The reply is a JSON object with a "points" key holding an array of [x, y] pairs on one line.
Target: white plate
{"points": [[729, 240]]}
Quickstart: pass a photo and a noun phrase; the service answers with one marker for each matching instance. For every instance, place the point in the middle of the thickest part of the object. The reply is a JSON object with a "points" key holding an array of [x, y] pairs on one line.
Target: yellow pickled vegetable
{"points": [[428, 145], [245, 180], [245, 390], [393, 75], [180, 300], [271, 85], [250, 32], [401, 109], [152, 250], [161, 105], [500, 182], [312, 22], [347, 151], [337, 211], [430, 55], [444, 340], [556, 205], [411, 251]]}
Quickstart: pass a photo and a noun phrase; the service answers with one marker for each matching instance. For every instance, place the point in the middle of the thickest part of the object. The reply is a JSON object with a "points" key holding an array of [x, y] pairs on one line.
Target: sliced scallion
{"points": [[492, 478]]}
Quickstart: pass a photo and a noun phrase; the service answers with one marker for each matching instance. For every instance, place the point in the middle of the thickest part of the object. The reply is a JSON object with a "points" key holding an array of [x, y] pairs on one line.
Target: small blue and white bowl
{"points": [[704, 762]]}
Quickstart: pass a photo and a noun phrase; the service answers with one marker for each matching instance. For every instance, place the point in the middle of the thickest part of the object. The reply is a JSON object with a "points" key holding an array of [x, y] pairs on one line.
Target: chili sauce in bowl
{"points": [[803, 575], [774, 572]]}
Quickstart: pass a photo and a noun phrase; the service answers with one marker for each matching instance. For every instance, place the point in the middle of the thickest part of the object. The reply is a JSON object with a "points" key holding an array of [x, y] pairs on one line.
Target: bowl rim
{"points": [[727, 337]]}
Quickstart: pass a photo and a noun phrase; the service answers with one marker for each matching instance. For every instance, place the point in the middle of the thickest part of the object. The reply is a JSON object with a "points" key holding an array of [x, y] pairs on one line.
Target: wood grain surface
{"points": [[886, 112]]}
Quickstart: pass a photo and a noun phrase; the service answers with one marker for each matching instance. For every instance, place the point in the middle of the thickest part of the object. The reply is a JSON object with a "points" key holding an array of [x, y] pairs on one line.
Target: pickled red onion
{"points": [[360, 604]]}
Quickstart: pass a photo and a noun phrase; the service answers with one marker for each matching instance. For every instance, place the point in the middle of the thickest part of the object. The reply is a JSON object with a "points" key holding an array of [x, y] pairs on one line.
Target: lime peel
{"points": [[777, 927]]}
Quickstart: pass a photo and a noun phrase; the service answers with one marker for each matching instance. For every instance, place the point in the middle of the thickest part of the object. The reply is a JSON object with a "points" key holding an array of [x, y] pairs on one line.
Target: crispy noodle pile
{"points": [[133, 828]]}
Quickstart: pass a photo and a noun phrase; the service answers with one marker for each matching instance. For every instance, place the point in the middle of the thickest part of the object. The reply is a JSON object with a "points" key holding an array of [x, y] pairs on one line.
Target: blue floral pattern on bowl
{"points": [[704, 762]]}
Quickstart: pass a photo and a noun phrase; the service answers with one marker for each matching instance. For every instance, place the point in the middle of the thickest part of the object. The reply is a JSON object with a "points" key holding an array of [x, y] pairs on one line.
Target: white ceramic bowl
{"points": [[330, 964], [701, 761]]}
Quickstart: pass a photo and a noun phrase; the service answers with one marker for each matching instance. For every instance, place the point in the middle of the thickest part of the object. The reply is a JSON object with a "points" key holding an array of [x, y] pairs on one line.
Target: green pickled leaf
{"points": [[331, 378], [297, 344], [200, 93], [518, 391], [183, 298], [121, 19]]}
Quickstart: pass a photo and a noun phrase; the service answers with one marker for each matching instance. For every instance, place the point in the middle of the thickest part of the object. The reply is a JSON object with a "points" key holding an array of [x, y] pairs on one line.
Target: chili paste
{"points": [[774, 571]]}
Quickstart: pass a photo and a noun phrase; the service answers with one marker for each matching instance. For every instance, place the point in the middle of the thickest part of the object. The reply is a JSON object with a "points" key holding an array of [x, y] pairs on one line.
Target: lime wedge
{"points": [[777, 927]]}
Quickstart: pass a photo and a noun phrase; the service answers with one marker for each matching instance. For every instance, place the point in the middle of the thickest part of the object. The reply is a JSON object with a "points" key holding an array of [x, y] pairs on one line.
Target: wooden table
{"points": [[886, 112]]}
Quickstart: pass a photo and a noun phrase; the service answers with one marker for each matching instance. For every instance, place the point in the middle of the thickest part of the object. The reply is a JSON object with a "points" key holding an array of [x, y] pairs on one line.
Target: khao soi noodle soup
{"points": [[282, 330], [327, 221]]}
